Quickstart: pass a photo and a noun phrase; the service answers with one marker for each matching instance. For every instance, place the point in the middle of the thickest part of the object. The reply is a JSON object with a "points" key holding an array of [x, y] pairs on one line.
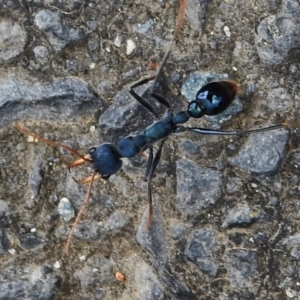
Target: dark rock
{"points": [[197, 187], [242, 269], [30, 240], [201, 248], [262, 153], [58, 32], [4, 242], [34, 283]]}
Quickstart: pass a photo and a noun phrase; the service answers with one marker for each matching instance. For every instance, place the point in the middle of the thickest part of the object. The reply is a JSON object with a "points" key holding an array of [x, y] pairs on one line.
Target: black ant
{"points": [[212, 99]]}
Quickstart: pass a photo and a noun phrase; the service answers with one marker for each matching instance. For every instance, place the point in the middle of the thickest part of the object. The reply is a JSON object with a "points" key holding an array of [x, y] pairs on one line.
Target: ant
{"points": [[212, 99]]}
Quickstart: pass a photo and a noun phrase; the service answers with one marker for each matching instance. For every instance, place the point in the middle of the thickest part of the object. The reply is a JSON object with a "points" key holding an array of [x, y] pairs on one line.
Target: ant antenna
{"points": [[180, 19], [55, 144]]}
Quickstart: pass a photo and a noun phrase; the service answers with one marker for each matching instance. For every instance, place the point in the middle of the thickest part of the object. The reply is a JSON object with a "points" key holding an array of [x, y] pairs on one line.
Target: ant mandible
{"points": [[212, 99]]}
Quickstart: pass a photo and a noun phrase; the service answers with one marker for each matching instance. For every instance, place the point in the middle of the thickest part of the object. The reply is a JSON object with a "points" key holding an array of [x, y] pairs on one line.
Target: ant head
{"points": [[106, 160]]}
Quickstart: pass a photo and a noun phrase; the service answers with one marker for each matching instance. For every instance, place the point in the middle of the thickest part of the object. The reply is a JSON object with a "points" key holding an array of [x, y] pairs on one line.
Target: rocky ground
{"points": [[227, 208]]}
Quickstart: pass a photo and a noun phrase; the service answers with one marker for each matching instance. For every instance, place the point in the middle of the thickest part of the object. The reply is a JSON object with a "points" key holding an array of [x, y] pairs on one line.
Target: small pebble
{"points": [[227, 31], [12, 251], [82, 257], [130, 46], [65, 209], [118, 40], [120, 276], [56, 265]]}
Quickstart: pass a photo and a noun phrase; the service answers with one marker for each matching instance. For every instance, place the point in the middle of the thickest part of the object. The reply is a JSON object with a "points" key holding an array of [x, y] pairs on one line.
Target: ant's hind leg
{"points": [[151, 167], [140, 99]]}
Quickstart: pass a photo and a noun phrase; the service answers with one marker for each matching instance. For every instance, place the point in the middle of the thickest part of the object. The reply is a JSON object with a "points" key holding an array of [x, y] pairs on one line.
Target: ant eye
{"points": [[92, 150]]}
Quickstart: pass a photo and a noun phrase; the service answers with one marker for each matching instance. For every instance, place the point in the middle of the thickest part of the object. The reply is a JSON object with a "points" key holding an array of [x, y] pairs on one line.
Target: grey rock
{"points": [[197, 187], [64, 95], [241, 215], [42, 54], [190, 147], [233, 185], [279, 100], [196, 12], [13, 39], [96, 269], [153, 239], [58, 32], [35, 282], [116, 221], [178, 231], [293, 245], [279, 34], [84, 231], [242, 268], [149, 287], [262, 153], [200, 250]]}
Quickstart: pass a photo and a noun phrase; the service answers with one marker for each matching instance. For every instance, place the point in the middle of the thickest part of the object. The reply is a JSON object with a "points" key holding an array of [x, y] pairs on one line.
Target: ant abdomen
{"points": [[213, 98]]}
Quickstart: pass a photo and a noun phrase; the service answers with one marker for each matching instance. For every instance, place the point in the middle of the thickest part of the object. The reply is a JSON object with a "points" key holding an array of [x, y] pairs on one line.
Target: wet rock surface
{"points": [[226, 209]]}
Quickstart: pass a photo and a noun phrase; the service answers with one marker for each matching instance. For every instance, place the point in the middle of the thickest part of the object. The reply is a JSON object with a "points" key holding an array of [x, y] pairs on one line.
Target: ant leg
{"points": [[180, 19], [87, 179], [151, 167], [161, 100], [140, 99], [228, 132], [82, 209]]}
